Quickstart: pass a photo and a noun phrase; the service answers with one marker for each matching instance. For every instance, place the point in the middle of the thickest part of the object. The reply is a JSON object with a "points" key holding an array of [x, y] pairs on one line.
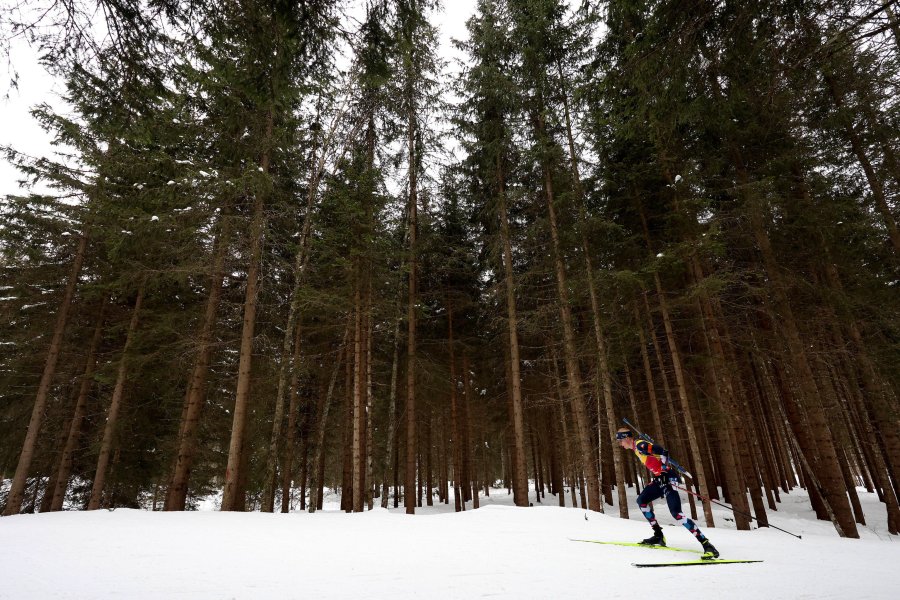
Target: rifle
{"points": [[670, 460]]}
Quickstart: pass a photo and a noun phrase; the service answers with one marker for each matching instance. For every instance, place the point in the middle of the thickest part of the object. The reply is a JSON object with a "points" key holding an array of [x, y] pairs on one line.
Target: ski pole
{"points": [[731, 508], [671, 461]]}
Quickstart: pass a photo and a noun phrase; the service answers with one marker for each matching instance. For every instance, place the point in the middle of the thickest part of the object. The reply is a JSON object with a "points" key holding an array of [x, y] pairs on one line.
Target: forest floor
{"points": [[497, 551]]}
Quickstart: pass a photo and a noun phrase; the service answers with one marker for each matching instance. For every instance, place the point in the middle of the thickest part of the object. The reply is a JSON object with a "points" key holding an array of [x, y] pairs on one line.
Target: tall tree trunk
{"points": [[411, 439], [392, 418], [700, 470], [68, 454], [748, 452], [455, 427], [469, 472], [347, 432], [233, 471], [825, 467], [370, 401], [573, 370], [724, 390], [287, 467], [599, 339], [648, 376], [520, 481], [568, 452], [115, 405], [357, 407], [17, 489], [429, 454], [321, 421], [176, 494], [288, 363], [878, 406]]}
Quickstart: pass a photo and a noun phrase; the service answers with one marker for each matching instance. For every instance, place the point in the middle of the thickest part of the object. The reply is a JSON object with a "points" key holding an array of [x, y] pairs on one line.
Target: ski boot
{"points": [[657, 539], [709, 551]]}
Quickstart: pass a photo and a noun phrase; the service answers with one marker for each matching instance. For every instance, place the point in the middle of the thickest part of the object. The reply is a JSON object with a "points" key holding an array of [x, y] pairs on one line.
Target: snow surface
{"points": [[497, 551]]}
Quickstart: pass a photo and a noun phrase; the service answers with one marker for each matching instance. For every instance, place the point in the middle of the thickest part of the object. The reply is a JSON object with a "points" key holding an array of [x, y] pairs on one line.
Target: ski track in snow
{"points": [[497, 551]]}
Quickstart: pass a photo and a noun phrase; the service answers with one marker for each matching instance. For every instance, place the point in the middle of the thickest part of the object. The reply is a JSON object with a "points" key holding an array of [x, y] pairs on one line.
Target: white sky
{"points": [[17, 128], [20, 131]]}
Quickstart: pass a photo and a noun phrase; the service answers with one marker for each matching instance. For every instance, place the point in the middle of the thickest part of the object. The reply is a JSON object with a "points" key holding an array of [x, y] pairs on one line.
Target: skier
{"points": [[656, 459]]}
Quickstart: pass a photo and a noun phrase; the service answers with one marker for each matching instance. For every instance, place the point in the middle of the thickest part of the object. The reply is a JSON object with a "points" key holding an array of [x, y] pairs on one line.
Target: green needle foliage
{"points": [[366, 270]]}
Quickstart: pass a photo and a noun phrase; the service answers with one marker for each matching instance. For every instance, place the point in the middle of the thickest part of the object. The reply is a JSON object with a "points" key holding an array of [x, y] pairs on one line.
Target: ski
{"points": [[639, 545], [691, 563]]}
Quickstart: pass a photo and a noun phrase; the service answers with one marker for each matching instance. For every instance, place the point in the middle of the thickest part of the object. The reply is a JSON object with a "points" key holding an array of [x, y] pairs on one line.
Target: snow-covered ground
{"points": [[497, 551]]}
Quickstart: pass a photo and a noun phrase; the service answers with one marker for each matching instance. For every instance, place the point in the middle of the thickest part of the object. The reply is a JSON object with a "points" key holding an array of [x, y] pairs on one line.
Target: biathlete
{"points": [[656, 459]]}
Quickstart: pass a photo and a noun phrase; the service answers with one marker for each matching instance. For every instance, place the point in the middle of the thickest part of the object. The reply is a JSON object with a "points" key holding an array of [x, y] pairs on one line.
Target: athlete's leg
{"points": [[674, 502], [650, 493]]}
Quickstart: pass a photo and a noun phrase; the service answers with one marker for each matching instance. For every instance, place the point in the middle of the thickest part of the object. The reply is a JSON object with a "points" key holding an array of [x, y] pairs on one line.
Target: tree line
{"points": [[288, 247]]}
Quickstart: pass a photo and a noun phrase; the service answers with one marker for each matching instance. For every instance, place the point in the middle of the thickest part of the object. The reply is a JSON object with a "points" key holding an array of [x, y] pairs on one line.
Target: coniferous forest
{"points": [[291, 246]]}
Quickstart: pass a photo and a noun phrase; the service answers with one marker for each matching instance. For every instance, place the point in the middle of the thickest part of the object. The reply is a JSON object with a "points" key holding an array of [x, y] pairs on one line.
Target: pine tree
{"points": [[484, 125]]}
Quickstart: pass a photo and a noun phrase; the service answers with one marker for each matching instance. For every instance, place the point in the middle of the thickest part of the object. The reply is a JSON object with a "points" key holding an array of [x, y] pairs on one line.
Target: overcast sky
{"points": [[20, 131], [18, 128]]}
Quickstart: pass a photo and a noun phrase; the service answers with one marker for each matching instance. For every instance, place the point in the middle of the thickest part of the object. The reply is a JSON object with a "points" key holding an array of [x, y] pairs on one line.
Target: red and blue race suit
{"points": [[656, 459]]}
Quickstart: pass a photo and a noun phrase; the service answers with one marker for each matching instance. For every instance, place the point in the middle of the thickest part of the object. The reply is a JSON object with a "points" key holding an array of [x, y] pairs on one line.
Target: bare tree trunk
{"points": [[397, 467], [306, 433], [877, 406], [680, 427], [648, 375], [429, 452], [444, 458], [568, 451], [287, 467], [826, 467], [17, 489], [875, 459], [599, 338], [573, 371], [370, 400], [724, 391], [321, 422], [421, 479], [748, 452], [536, 464], [68, 454], [469, 472], [520, 481], [767, 447], [347, 434], [700, 470], [357, 409], [392, 418], [115, 405], [176, 494], [455, 417], [233, 471], [556, 467], [288, 359], [825, 470], [411, 439]]}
